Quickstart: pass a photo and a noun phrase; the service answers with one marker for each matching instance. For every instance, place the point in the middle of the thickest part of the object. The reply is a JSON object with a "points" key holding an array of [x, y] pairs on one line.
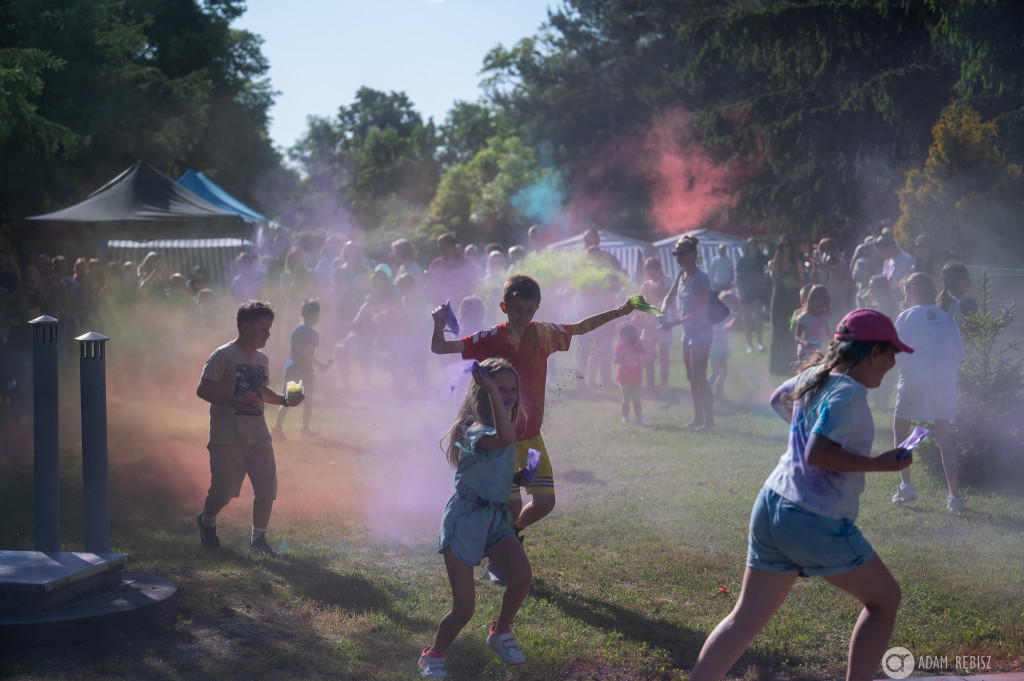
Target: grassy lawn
{"points": [[650, 523]]}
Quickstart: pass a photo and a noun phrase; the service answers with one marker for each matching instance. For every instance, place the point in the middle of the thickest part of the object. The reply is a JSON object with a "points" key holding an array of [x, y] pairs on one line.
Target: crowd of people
{"points": [[375, 319]]}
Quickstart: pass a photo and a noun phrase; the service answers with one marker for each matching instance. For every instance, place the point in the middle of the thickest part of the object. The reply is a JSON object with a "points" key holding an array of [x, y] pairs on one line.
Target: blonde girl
{"points": [[480, 445]]}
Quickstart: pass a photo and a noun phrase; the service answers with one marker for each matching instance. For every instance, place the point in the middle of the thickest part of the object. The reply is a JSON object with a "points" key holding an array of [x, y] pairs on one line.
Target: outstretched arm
{"points": [[600, 319]]}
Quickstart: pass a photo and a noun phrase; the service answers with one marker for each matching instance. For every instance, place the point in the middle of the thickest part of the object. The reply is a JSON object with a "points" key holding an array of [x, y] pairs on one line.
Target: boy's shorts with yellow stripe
{"points": [[544, 482]]}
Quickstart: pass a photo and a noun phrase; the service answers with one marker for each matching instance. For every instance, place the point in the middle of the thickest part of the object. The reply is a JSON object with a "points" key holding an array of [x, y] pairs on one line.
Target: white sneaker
{"points": [[955, 504], [906, 492], [505, 646], [432, 667], [750, 349], [760, 347]]}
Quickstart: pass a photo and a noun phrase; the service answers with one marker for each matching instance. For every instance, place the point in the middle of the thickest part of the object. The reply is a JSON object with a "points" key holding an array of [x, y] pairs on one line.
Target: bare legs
{"points": [[944, 437], [540, 505], [508, 555], [695, 357], [764, 592]]}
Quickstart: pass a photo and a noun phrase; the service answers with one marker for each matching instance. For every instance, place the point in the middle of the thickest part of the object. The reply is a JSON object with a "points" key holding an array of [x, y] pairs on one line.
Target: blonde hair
{"points": [[476, 407]]}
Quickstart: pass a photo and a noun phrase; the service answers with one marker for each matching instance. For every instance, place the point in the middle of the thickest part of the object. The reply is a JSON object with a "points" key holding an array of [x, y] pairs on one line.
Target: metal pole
{"points": [[95, 492], [46, 440]]}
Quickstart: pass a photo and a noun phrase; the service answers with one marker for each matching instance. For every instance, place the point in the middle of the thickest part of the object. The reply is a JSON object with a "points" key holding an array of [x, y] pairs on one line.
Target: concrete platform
{"points": [[57, 598], [33, 582]]}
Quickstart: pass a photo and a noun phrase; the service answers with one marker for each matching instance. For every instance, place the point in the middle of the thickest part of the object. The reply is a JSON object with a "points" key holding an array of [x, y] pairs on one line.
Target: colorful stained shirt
{"points": [[630, 363], [529, 357], [840, 412]]}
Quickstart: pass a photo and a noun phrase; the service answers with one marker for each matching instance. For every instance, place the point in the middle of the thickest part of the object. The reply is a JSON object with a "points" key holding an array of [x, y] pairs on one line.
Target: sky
{"points": [[322, 51]]}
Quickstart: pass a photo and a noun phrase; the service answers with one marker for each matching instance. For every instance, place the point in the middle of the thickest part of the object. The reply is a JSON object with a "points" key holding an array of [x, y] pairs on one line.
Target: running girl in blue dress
{"points": [[481, 447]]}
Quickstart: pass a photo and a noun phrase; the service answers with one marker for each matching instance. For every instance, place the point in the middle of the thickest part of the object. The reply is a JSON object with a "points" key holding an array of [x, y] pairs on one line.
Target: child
{"points": [[630, 374], [719, 355], [802, 523], [926, 390], [481, 448], [657, 341], [953, 300], [805, 292], [526, 344], [880, 297], [812, 324], [299, 366]]}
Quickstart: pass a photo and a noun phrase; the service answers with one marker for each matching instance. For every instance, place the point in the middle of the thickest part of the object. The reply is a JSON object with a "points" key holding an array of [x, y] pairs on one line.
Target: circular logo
{"points": [[898, 663]]}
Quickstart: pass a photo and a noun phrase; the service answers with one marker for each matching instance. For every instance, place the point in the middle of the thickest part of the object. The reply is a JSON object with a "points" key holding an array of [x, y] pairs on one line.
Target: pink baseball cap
{"points": [[870, 325]]}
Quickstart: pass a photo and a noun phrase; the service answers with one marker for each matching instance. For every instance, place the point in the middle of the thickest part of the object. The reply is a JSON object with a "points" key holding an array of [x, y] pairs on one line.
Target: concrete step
{"points": [[34, 582]]}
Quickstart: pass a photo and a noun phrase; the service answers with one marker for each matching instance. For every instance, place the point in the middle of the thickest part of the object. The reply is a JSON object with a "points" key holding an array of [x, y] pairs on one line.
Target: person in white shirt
{"points": [[926, 390], [721, 271]]}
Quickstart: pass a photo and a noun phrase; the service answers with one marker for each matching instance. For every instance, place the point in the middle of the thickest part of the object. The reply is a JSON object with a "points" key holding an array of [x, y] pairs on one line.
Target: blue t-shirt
{"points": [[487, 472], [303, 336], [840, 412]]}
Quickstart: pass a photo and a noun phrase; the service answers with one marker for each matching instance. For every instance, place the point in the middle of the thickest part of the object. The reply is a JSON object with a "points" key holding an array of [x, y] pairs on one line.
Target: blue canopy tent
{"points": [[202, 186]]}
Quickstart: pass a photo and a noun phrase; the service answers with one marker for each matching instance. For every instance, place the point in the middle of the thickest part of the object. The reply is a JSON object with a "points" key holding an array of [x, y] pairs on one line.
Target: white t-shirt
{"points": [[938, 346], [840, 412]]}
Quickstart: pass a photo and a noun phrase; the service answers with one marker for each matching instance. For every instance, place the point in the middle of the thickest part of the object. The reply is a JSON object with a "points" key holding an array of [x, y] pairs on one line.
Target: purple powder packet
{"points": [[451, 324]]}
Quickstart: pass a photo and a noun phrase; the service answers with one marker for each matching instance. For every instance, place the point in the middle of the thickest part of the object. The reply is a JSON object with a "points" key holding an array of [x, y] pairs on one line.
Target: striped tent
{"points": [[630, 252], [216, 256], [708, 242]]}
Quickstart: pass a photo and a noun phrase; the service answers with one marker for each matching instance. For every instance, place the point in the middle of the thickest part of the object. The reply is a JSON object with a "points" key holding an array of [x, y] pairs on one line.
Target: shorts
{"points": [[472, 527], [229, 464], [925, 400], [544, 483], [787, 538]]}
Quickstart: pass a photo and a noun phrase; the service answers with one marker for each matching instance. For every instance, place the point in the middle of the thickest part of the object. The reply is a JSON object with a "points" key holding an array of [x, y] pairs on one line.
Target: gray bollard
{"points": [[95, 490], [46, 438]]}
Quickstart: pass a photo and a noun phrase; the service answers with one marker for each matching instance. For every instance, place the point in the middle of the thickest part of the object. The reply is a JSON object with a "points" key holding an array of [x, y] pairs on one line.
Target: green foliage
{"points": [[376, 153], [475, 199], [965, 195], [827, 100], [988, 430], [98, 84]]}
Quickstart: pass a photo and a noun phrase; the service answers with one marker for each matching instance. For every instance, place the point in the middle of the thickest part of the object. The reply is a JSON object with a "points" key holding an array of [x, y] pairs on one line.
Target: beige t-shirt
{"points": [[237, 372]]}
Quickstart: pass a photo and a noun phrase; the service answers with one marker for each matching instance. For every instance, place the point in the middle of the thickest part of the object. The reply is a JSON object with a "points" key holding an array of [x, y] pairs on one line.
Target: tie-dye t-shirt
{"points": [[237, 372], [840, 412]]}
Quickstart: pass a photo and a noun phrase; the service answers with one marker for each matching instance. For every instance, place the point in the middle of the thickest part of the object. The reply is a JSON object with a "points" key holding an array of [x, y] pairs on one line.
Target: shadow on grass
{"points": [[681, 643]]}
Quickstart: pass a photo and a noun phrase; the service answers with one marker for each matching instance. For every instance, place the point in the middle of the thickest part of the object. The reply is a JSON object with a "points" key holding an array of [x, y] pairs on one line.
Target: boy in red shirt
{"points": [[526, 344]]}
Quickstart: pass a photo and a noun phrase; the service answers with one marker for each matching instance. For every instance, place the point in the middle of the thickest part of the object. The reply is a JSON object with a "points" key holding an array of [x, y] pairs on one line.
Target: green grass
{"points": [[649, 523]]}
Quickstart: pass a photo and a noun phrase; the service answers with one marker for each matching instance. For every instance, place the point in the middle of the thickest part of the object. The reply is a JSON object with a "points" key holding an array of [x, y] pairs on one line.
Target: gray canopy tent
{"points": [[140, 204]]}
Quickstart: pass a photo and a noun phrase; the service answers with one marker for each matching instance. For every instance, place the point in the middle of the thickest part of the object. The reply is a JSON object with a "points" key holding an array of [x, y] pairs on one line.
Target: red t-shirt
{"points": [[631, 363], [529, 357]]}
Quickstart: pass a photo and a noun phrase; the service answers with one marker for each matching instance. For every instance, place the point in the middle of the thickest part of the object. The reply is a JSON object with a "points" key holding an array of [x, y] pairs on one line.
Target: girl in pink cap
{"points": [[802, 523]]}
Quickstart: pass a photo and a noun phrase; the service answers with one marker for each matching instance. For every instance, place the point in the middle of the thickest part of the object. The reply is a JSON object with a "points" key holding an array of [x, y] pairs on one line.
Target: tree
{"points": [[103, 83], [831, 100], [376, 152], [477, 200], [966, 195]]}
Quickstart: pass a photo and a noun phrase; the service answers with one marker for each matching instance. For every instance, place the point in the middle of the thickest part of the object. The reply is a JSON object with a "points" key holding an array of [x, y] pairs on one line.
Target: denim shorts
{"points": [[787, 538], [472, 527]]}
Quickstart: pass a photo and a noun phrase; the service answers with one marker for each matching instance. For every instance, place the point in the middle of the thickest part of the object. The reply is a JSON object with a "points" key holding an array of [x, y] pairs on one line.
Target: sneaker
{"points": [[431, 666], [639, 422], [493, 575], [750, 349], [760, 347], [625, 420], [955, 504], [260, 545], [505, 646], [207, 535], [906, 492]]}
